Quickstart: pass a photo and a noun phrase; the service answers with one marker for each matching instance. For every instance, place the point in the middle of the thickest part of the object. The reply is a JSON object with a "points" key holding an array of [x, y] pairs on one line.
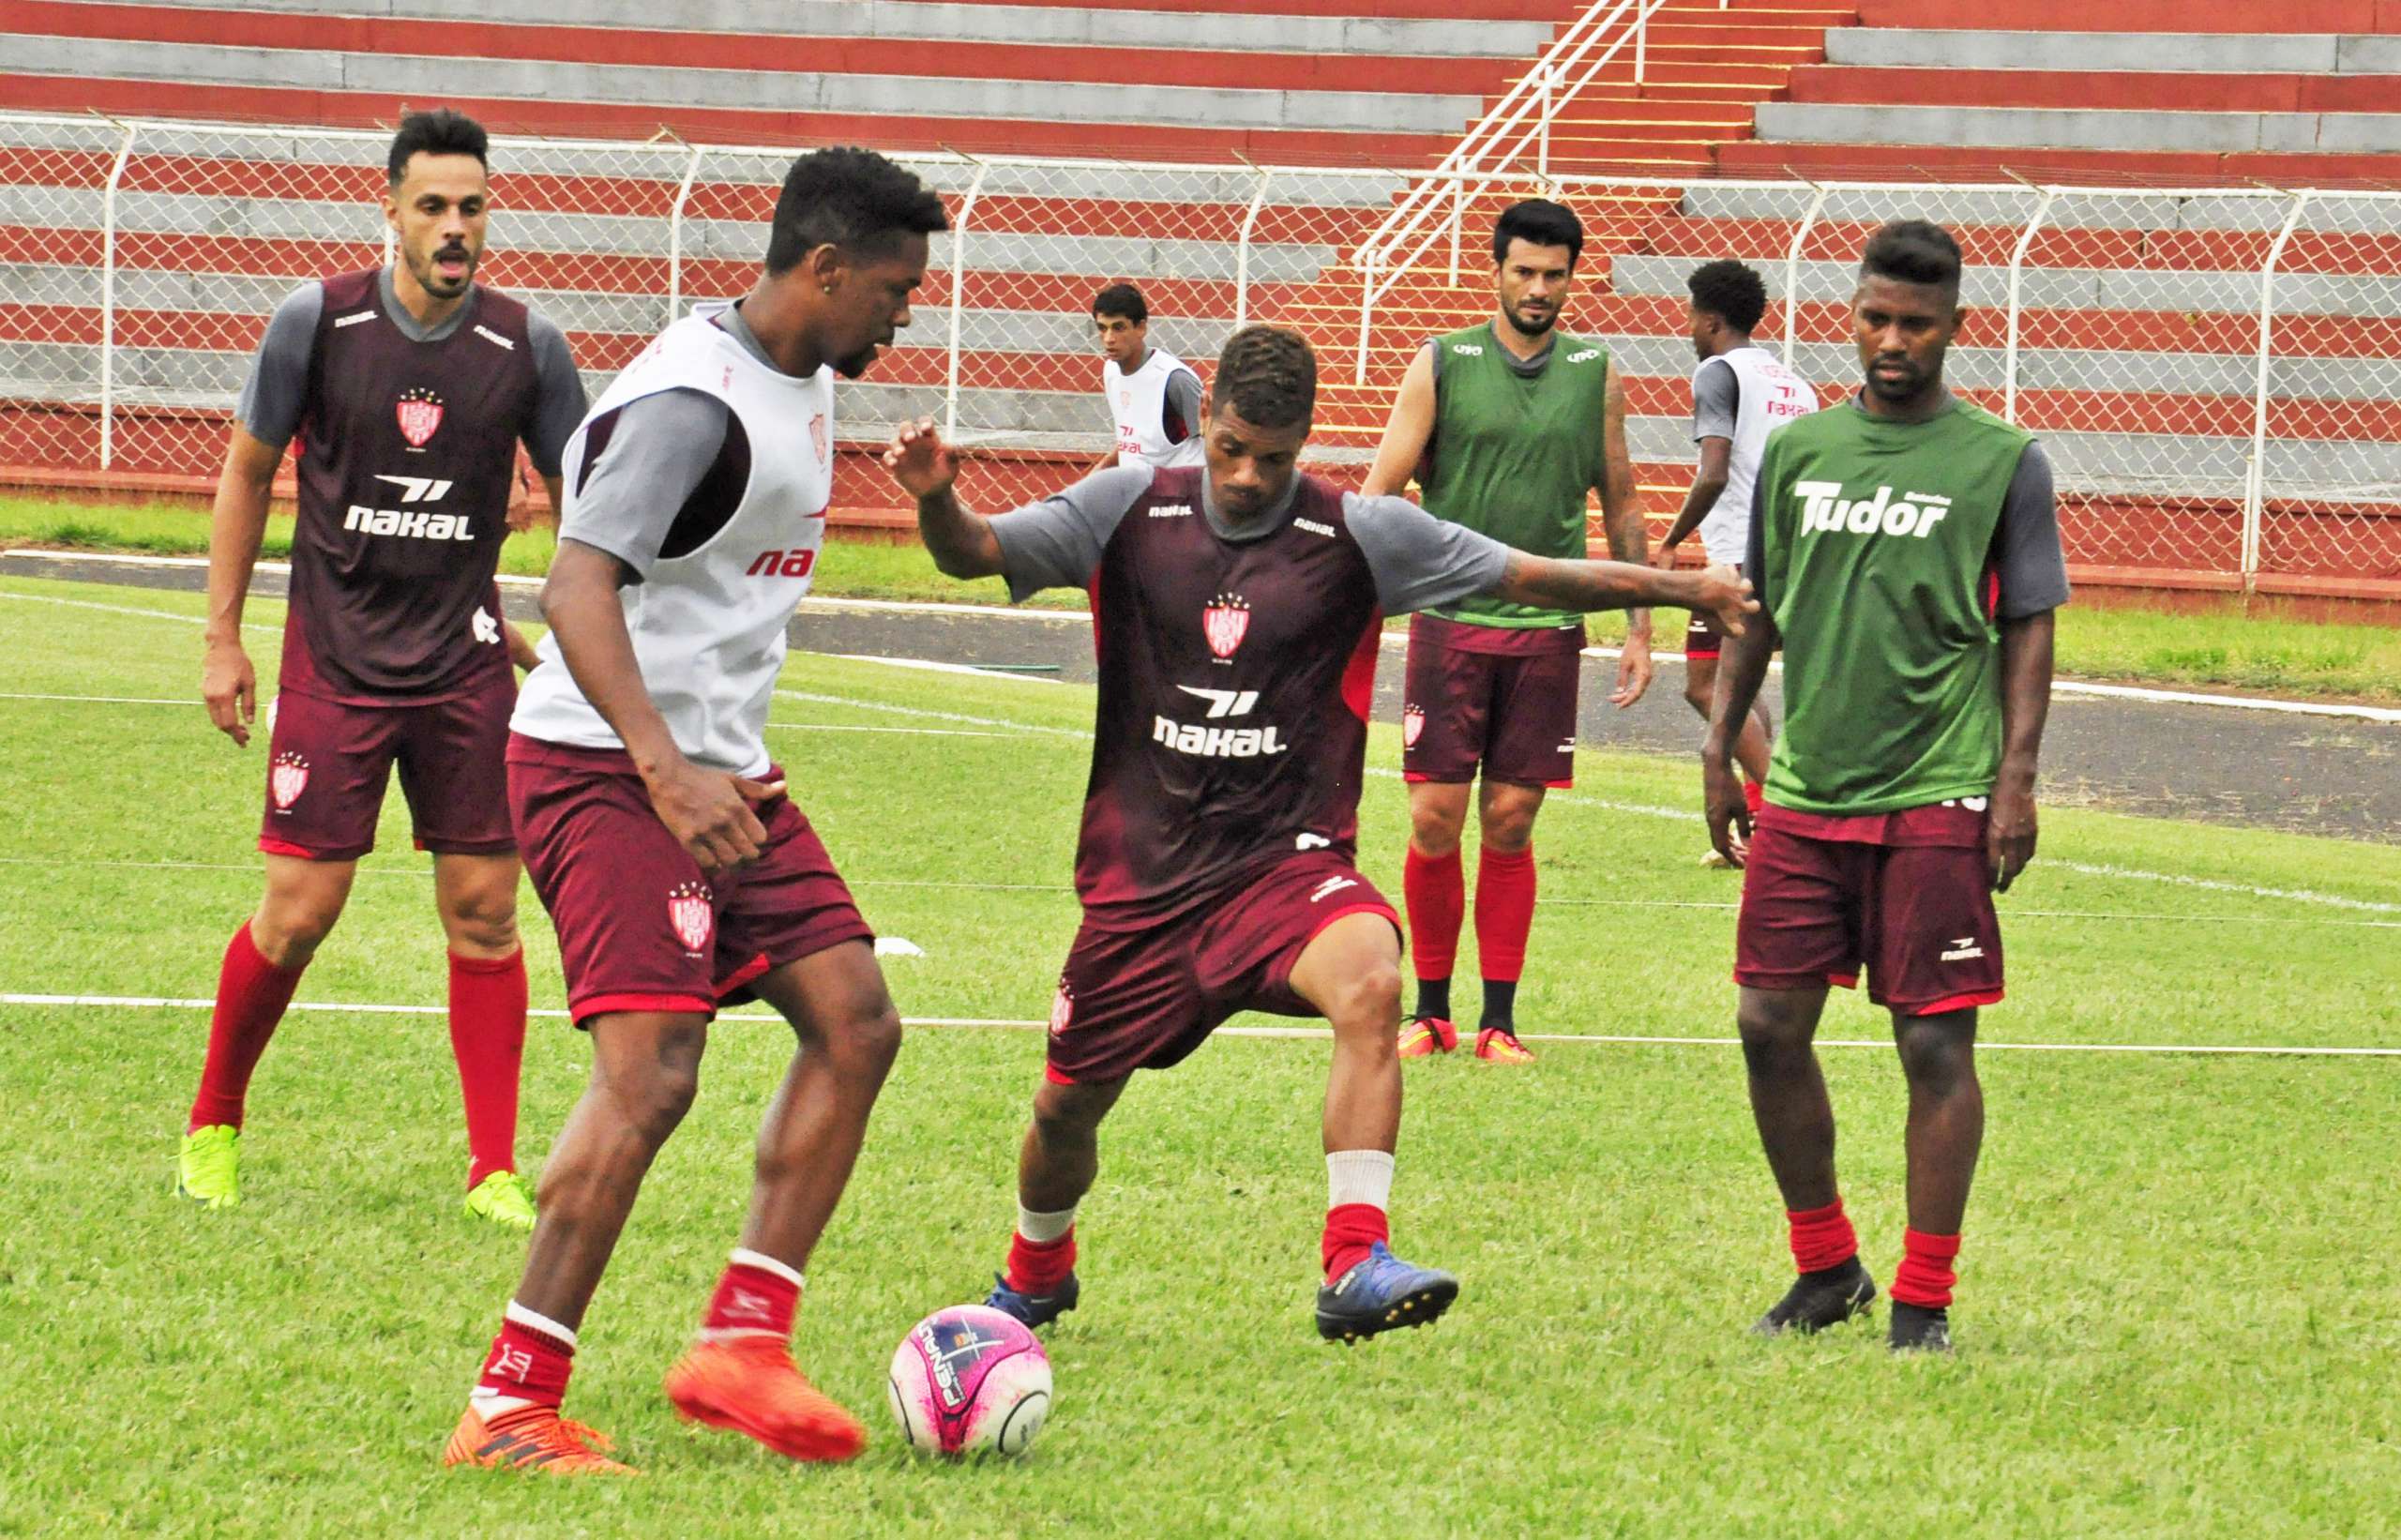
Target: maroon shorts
{"points": [[328, 763], [640, 927], [1917, 915], [1490, 695], [1134, 999]]}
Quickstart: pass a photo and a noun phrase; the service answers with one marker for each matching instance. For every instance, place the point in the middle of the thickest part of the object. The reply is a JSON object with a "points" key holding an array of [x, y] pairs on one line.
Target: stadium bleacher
{"points": [[2137, 351]]}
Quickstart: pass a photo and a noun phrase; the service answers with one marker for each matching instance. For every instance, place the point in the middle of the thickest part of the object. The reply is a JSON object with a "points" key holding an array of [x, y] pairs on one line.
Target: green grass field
{"points": [[2269, 648], [2180, 1299]]}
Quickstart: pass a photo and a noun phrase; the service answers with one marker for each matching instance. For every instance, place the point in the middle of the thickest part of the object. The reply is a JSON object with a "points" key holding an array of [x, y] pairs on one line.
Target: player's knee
{"points": [[1370, 1002], [1069, 1114], [1774, 1042], [1697, 690], [1937, 1053], [288, 928], [482, 924], [1435, 830], [870, 1042]]}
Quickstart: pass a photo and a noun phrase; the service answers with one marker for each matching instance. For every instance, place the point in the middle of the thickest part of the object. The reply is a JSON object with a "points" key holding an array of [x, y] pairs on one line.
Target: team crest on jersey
{"points": [[1412, 726], [692, 917], [817, 436], [420, 414], [1062, 1008], [1225, 621], [287, 780]]}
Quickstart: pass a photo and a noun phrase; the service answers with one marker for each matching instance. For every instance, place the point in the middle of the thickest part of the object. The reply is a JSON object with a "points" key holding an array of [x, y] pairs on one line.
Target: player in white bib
{"points": [[1154, 395], [1741, 393], [658, 833]]}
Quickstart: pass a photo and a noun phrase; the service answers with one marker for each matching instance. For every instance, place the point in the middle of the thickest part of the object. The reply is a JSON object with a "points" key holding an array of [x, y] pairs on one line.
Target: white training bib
{"points": [[708, 623], [1139, 403], [1770, 395]]}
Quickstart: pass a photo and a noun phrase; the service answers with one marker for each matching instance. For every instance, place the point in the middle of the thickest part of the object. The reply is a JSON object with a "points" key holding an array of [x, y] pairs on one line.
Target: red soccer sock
{"points": [[488, 1038], [1350, 1228], [1038, 1267], [1434, 889], [1754, 796], [1505, 913], [1926, 1276], [252, 994], [1821, 1238], [527, 1363], [756, 1296]]}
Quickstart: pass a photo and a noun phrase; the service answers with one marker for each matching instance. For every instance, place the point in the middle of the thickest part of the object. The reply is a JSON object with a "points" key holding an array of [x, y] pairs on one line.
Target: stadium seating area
{"points": [[2139, 339]]}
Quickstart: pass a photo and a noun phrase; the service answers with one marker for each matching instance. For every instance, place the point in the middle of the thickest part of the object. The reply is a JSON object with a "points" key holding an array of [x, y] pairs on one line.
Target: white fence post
{"points": [[107, 297], [2017, 272], [2256, 485], [1459, 217], [1542, 144], [1792, 268], [1367, 308], [675, 236], [1641, 43], [957, 296], [1242, 252]]}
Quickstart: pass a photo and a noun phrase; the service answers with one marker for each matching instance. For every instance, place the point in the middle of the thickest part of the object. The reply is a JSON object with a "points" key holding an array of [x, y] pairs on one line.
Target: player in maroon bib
{"points": [[405, 392], [1236, 612]]}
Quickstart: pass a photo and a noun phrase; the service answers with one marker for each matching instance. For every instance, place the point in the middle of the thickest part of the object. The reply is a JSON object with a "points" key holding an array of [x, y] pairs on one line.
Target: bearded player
{"points": [[1236, 609], [658, 833], [1907, 549], [1510, 424], [409, 388]]}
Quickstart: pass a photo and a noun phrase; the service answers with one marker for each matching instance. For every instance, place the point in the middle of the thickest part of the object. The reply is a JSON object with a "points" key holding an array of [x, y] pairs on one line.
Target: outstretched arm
{"points": [[961, 543], [2025, 705], [1553, 585]]}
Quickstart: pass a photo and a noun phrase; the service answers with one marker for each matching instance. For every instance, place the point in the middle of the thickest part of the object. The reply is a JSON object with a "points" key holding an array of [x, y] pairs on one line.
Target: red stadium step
{"points": [[467, 40], [1937, 163], [728, 125], [2138, 15], [2086, 89]]}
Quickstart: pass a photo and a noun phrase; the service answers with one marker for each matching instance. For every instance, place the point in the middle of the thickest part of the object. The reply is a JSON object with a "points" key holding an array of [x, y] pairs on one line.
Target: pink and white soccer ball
{"points": [[971, 1381]]}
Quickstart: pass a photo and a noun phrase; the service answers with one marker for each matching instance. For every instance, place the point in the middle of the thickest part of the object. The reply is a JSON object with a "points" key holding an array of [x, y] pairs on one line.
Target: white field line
{"points": [[929, 666], [124, 609], [106, 1001], [107, 699], [2064, 687]]}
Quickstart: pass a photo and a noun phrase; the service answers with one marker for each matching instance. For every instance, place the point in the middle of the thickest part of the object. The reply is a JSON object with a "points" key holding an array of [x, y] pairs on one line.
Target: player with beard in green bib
{"points": [[1906, 550]]}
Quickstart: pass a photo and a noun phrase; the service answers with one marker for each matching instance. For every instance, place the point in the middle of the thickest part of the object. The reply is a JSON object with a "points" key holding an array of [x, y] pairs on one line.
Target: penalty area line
{"points": [[112, 1001]]}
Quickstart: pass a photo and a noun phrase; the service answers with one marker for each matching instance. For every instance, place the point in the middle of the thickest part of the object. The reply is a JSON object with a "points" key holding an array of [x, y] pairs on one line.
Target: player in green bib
{"points": [[1509, 426], [1906, 551]]}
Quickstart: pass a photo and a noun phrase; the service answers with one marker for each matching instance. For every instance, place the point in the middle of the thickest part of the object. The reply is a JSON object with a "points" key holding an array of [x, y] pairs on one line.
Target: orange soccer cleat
{"points": [[752, 1386], [533, 1438], [1500, 1045], [1422, 1036]]}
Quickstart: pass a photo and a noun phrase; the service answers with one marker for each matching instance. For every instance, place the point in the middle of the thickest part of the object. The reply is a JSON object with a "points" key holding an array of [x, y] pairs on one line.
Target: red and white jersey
{"points": [[1771, 396], [1146, 431], [707, 618]]}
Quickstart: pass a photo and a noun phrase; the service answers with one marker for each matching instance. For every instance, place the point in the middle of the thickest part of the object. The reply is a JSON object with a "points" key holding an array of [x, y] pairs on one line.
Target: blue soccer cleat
{"points": [[1035, 1310], [1379, 1294]]}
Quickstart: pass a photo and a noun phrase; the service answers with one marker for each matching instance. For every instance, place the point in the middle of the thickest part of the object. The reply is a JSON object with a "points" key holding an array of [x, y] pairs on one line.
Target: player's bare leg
{"points": [[1435, 892], [262, 967], [476, 897], [1796, 1124], [739, 1374], [1504, 911], [646, 1071], [1350, 972], [1055, 1166], [1946, 1130]]}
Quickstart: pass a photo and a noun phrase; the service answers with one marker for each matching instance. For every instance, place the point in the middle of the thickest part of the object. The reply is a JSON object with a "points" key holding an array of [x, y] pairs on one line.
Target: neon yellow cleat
{"points": [[504, 1200], [209, 1168]]}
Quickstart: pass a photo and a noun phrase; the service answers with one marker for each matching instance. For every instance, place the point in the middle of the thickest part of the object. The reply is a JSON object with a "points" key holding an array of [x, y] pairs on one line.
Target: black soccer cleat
{"points": [[1035, 1310], [1381, 1294], [1919, 1328], [1818, 1300]]}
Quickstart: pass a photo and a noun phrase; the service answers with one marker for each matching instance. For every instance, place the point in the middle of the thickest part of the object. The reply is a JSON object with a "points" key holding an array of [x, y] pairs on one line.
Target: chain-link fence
{"points": [[2216, 372]]}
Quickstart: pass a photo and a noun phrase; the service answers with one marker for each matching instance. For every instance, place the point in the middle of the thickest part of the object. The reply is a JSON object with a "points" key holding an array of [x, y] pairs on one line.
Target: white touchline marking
{"points": [[124, 609], [930, 715], [109, 700], [931, 666], [108, 1002], [913, 731]]}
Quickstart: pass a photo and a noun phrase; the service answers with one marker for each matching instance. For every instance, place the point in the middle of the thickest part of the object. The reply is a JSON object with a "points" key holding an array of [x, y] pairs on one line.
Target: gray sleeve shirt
{"points": [[1417, 560], [559, 401], [1716, 395], [656, 451], [1182, 403]]}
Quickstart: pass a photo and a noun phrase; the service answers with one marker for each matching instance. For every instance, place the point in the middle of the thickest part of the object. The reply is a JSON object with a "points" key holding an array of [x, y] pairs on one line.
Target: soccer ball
{"points": [[971, 1381]]}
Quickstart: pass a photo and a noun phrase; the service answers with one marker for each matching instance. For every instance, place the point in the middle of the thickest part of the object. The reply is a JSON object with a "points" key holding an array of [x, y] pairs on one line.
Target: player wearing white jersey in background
{"points": [[1740, 394], [658, 833], [1154, 395]]}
